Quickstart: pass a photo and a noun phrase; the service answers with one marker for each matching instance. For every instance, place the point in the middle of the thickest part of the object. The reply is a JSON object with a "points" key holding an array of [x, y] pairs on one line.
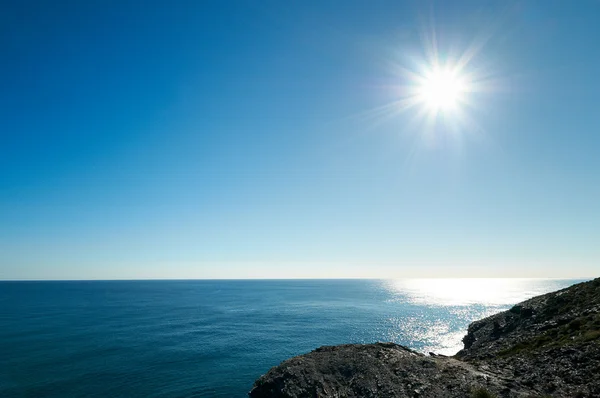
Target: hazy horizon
{"points": [[267, 277], [270, 140]]}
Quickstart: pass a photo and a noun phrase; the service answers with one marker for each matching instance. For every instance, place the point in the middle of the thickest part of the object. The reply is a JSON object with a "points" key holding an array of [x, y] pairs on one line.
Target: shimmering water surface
{"points": [[214, 338]]}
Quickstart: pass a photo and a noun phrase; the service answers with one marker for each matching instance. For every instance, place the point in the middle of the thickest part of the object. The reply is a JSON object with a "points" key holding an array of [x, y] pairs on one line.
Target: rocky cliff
{"points": [[548, 346]]}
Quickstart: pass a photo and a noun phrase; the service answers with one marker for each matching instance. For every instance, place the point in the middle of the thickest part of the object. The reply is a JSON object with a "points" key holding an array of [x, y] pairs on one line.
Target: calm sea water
{"points": [[214, 338]]}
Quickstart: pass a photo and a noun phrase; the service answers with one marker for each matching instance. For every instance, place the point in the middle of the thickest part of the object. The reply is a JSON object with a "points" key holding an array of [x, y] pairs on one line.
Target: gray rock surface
{"points": [[550, 343], [548, 346], [382, 370]]}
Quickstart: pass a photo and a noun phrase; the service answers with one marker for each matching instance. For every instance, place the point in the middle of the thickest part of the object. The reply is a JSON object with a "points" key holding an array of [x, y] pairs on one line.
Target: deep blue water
{"points": [[214, 338]]}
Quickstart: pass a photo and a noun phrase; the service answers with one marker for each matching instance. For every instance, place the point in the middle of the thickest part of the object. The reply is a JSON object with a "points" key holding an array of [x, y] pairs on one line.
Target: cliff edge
{"points": [[548, 346]]}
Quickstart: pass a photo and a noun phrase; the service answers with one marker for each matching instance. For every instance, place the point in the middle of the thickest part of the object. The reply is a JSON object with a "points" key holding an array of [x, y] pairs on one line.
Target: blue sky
{"points": [[263, 139]]}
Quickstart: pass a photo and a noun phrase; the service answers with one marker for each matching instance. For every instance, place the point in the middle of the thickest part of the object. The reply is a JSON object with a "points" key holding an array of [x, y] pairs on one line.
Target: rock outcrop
{"points": [[548, 346], [383, 370], [550, 343]]}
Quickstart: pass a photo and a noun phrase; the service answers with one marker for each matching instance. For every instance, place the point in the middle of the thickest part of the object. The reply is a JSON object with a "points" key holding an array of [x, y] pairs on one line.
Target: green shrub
{"points": [[575, 324], [591, 335], [482, 393]]}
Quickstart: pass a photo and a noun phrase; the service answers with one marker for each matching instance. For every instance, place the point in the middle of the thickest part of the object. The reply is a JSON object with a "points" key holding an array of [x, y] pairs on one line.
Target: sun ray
{"points": [[439, 92]]}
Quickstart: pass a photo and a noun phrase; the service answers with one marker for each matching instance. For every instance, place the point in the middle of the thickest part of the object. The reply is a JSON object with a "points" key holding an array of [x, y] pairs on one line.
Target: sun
{"points": [[437, 92], [441, 89]]}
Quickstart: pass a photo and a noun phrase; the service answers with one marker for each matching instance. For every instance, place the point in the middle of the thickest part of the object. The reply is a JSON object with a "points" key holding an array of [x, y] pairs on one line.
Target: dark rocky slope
{"points": [[548, 346], [550, 343]]}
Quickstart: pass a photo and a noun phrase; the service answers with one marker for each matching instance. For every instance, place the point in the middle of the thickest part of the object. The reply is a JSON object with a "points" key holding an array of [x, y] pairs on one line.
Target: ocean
{"points": [[213, 338]]}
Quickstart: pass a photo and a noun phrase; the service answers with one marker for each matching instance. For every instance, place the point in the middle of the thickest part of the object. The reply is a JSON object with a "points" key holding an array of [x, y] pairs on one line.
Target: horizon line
{"points": [[289, 279]]}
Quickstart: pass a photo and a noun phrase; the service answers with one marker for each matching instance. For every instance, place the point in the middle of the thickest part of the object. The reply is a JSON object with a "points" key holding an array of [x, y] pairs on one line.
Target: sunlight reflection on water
{"points": [[491, 291], [443, 307]]}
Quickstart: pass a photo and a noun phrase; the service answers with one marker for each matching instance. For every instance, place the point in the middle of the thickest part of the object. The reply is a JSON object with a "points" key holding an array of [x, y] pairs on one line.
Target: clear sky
{"points": [[275, 139]]}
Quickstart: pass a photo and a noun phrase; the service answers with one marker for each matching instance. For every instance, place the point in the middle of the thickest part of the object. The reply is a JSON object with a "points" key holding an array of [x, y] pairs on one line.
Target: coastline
{"points": [[547, 346]]}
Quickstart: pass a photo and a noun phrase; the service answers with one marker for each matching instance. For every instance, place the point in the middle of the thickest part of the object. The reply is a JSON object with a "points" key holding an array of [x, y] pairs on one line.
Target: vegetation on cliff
{"points": [[550, 343]]}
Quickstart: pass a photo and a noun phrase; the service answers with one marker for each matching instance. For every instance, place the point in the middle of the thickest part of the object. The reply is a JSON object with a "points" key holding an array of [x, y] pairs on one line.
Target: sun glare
{"points": [[441, 90]]}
